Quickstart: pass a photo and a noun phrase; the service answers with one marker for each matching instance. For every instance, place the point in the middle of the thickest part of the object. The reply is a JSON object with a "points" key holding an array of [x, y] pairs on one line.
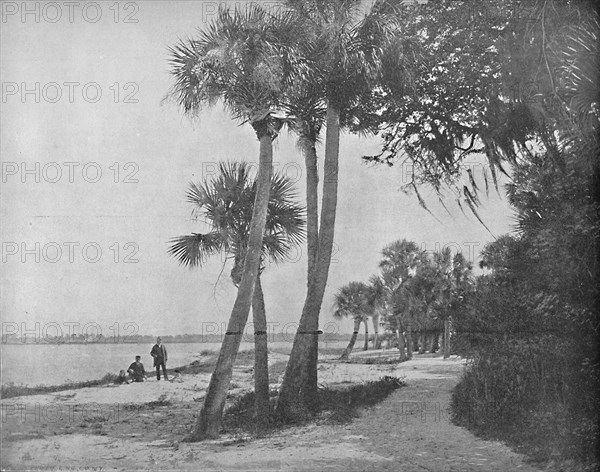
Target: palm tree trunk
{"points": [[422, 340], [346, 353], [409, 341], [261, 359], [299, 386], [209, 421], [366, 344], [376, 340], [312, 212], [401, 342], [435, 345], [401, 345], [312, 208], [447, 338]]}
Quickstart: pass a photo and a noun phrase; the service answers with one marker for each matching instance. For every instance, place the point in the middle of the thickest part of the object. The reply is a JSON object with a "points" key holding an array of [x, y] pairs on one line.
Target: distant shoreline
{"points": [[196, 339]]}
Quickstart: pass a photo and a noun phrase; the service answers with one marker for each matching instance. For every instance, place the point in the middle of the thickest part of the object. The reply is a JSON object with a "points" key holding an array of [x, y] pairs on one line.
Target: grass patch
{"points": [[11, 390], [162, 401], [344, 403], [337, 405], [196, 367], [374, 360], [331, 351], [96, 419], [245, 357], [276, 370], [208, 353]]}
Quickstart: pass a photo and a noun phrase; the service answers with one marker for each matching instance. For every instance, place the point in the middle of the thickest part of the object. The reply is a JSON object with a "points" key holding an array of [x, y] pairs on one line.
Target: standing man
{"points": [[159, 353]]}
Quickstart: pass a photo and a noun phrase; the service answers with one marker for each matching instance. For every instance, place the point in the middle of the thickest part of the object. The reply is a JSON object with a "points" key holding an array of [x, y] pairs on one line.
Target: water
{"points": [[56, 364]]}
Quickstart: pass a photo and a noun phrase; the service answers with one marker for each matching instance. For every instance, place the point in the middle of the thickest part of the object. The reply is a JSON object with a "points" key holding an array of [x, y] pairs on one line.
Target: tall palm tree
{"points": [[345, 57], [225, 203], [240, 59], [351, 300]]}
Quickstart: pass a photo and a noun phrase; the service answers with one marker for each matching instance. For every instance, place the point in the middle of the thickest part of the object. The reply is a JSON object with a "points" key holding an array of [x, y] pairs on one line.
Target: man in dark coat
{"points": [[159, 353], [136, 370]]}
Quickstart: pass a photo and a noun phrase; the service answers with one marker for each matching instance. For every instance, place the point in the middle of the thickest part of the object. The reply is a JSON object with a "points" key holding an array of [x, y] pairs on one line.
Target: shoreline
{"points": [[12, 390], [204, 364]]}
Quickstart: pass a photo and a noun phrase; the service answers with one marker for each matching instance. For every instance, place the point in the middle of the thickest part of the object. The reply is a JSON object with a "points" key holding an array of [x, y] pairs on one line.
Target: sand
{"points": [[118, 428]]}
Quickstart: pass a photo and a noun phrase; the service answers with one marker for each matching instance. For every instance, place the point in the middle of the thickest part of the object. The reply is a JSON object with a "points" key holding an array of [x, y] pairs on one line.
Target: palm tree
{"points": [[345, 58], [399, 265], [225, 202], [351, 301], [448, 278], [240, 60], [461, 278], [442, 263], [400, 300], [377, 306]]}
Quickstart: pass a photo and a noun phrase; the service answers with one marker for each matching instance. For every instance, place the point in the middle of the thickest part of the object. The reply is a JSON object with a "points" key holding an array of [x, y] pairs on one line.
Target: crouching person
{"points": [[136, 370], [123, 378]]}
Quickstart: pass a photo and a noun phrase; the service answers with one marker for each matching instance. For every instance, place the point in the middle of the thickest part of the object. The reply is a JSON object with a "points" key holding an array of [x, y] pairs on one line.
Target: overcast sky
{"points": [[94, 172]]}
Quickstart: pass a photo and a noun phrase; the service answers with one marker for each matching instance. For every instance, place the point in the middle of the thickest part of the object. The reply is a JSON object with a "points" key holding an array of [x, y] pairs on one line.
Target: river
{"points": [[56, 364]]}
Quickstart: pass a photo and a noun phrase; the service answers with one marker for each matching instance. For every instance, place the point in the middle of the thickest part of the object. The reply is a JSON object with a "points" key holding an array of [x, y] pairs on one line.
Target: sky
{"points": [[95, 166]]}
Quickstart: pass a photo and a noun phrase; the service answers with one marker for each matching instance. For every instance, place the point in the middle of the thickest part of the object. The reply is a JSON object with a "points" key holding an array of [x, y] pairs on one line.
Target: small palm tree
{"points": [[377, 294], [226, 203], [351, 300]]}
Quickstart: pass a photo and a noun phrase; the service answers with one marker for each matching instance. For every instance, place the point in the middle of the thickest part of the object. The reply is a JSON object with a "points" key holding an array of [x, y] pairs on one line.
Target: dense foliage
{"points": [[530, 327], [517, 82]]}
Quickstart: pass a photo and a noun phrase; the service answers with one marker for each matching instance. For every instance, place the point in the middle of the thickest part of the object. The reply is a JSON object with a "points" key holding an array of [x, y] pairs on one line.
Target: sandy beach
{"points": [[142, 426]]}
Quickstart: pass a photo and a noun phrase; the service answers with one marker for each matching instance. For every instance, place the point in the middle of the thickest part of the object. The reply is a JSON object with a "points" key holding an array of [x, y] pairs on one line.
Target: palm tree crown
{"points": [[225, 203], [243, 59], [351, 300]]}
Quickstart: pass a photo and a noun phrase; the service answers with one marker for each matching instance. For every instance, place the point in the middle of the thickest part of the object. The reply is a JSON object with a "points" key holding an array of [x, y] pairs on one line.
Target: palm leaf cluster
{"points": [[351, 301], [244, 59], [346, 48], [225, 203]]}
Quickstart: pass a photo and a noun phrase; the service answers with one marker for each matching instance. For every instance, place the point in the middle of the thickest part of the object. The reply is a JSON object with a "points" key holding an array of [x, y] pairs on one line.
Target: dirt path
{"points": [[409, 431], [418, 435]]}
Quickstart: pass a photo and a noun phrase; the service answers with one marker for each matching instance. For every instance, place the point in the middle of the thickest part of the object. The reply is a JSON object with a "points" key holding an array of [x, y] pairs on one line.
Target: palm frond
{"points": [[194, 249]]}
